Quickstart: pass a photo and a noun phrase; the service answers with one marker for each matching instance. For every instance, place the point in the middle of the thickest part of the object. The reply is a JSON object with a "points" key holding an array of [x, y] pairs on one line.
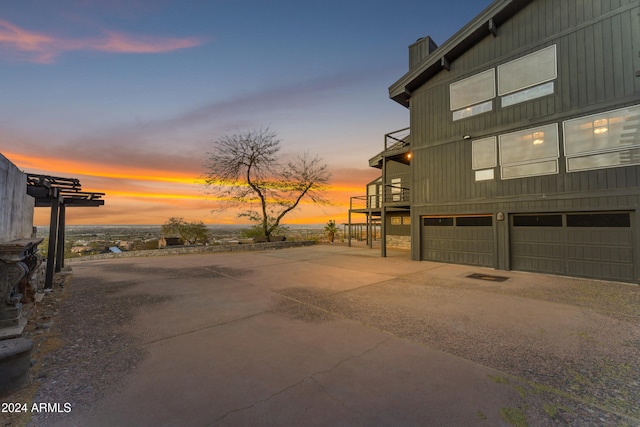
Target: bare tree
{"points": [[243, 170]]}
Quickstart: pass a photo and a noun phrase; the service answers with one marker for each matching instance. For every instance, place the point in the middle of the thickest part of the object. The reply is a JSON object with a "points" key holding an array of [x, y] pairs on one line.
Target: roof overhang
{"points": [[481, 26], [398, 155]]}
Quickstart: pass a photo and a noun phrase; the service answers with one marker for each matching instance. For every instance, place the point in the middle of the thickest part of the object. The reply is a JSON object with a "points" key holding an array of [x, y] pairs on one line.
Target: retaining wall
{"points": [[182, 250], [16, 207]]}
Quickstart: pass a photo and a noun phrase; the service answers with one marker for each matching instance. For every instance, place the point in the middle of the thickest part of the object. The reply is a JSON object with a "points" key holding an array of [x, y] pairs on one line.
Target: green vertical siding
{"points": [[598, 47]]}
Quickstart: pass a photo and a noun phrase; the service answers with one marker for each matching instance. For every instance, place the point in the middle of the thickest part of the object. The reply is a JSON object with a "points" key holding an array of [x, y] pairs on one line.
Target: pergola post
{"points": [[61, 237], [53, 234]]}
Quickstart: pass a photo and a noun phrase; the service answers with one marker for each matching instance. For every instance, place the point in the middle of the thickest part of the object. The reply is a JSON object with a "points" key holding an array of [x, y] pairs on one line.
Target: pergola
{"points": [[58, 194]]}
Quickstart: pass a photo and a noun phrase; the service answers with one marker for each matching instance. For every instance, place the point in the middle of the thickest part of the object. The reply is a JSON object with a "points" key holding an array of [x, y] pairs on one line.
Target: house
{"points": [[390, 191], [524, 146], [163, 242]]}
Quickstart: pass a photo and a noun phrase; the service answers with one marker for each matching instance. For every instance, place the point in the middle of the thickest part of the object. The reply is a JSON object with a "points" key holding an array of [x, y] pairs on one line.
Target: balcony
{"points": [[394, 196], [397, 146]]}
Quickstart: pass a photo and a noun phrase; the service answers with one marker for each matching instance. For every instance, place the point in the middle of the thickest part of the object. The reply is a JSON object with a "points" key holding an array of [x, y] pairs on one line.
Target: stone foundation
{"points": [[399, 242]]}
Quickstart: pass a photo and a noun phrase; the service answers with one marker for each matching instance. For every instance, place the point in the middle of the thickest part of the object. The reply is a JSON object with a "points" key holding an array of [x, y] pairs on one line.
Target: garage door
{"points": [[458, 240], [596, 245]]}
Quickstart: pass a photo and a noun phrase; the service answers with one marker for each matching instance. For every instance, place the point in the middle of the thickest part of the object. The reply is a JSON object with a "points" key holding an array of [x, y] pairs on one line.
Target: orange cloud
{"points": [[63, 167], [41, 48], [151, 196]]}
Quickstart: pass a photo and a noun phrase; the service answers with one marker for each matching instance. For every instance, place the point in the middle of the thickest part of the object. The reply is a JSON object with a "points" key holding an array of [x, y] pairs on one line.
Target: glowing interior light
{"points": [[538, 138], [600, 126]]}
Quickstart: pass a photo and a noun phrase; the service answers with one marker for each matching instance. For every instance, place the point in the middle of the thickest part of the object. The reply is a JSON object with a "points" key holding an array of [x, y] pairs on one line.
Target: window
{"points": [[396, 189], [438, 222], [473, 111], [527, 72], [484, 156], [400, 220], [473, 95], [603, 140], [474, 221], [528, 94], [529, 152], [599, 220], [537, 221], [372, 196]]}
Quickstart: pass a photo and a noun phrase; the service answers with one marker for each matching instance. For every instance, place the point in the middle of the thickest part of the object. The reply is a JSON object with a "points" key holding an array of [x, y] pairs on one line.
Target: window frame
{"points": [[463, 107], [523, 164], [510, 67], [572, 155]]}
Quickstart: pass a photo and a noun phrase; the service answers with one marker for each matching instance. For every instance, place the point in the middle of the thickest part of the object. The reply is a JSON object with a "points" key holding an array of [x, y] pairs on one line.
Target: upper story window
{"points": [[529, 152], [603, 140], [484, 158], [528, 77], [473, 95], [396, 189]]}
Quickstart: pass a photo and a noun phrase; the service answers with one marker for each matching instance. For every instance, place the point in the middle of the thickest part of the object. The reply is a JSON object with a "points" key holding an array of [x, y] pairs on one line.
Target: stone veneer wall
{"points": [[16, 207], [197, 250], [399, 242]]}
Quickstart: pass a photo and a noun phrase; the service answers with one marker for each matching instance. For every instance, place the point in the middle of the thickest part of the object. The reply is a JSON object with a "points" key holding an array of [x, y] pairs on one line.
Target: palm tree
{"points": [[331, 229]]}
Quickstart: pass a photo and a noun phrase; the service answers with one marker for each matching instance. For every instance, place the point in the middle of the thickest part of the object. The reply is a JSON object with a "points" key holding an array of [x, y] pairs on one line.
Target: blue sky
{"points": [[138, 85]]}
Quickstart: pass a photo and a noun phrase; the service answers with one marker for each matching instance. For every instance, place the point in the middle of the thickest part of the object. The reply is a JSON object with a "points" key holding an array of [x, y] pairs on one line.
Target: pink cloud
{"points": [[32, 46], [118, 42]]}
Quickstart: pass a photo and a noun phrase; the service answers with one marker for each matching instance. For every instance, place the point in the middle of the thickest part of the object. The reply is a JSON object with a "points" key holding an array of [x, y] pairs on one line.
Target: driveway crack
{"points": [[308, 377]]}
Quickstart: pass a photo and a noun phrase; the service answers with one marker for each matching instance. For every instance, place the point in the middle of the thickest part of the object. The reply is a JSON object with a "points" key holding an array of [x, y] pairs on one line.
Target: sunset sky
{"points": [[127, 95]]}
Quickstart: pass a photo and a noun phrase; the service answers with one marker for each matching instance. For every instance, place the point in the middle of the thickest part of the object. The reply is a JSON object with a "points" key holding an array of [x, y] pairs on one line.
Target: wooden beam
{"points": [[444, 63], [492, 27]]}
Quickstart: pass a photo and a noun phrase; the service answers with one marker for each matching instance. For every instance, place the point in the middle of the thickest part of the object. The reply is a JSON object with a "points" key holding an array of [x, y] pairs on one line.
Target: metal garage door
{"points": [[458, 240], [597, 245]]}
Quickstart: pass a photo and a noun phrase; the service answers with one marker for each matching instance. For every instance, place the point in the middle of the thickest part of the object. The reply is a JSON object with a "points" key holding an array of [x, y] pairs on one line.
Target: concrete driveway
{"points": [[331, 335]]}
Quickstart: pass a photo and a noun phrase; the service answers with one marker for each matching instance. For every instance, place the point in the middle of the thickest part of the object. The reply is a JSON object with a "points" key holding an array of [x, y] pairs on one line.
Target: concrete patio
{"points": [[331, 335]]}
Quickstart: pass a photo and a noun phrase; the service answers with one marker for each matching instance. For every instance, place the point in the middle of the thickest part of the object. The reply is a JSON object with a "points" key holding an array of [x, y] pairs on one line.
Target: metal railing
{"points": [[396, 139], [392, 194], [365, 202], [395, 194]]}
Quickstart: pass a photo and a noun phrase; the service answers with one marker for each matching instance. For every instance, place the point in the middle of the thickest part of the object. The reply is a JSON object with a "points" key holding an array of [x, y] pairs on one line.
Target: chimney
{"points": [[420, 50]]}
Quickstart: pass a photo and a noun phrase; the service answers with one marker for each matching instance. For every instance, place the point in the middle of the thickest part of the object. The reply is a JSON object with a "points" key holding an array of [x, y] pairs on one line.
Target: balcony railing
{"points": [[395, 194], [396, 139], [392, 195], [365, 202]]}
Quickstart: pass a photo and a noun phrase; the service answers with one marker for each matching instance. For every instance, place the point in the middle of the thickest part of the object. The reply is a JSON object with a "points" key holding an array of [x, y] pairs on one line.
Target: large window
{"points": [[603, 140], [529, 152], [396, 189], [473, 95], [484, 158], [373, 195], [528, 77]]}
